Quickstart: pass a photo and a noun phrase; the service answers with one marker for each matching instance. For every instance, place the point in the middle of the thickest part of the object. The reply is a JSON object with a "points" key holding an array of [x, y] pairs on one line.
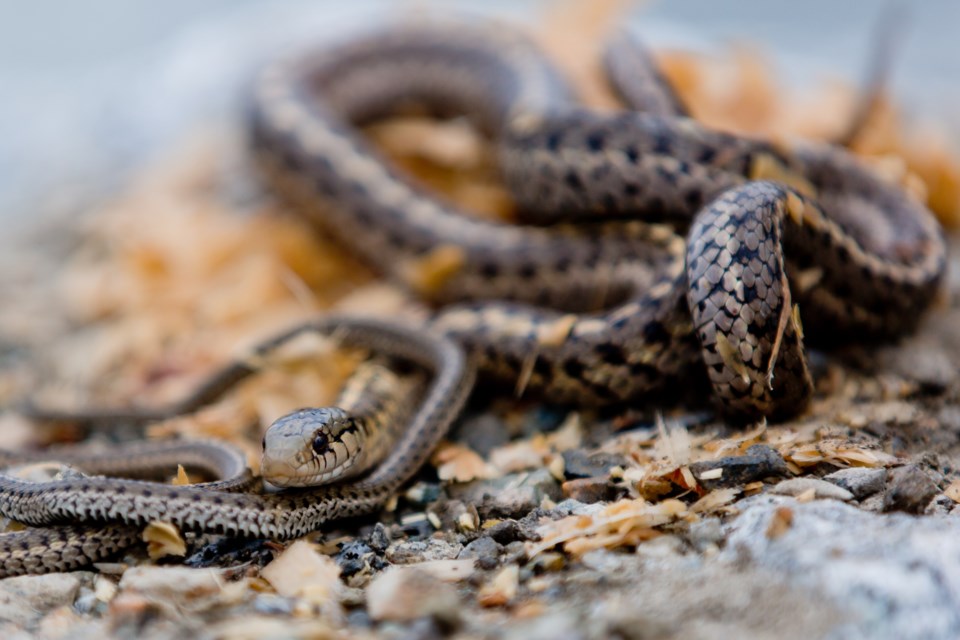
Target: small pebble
{"points": [[506, 531], [407, 593], [177, 584], [356, 557], [910, 490], [423, 493], [590, 490], [820, 489], [25, 599], [510, 496], [577, 463], [502, 588], [485, 550], [379, 538], [514, 552], [860, 481], [759, 462], [414, 551], [921, 360]]}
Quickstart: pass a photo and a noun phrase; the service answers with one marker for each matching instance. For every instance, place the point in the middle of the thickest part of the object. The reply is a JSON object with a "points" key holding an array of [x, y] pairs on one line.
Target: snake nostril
{"points": [[263, 443], [320, 444]]}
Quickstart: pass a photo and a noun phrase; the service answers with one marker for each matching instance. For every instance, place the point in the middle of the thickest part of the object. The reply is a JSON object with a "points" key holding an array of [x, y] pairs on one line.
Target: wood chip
{"points": [[780, 523], [460, 464], [502, 589], [301, 572], [163, 539]]}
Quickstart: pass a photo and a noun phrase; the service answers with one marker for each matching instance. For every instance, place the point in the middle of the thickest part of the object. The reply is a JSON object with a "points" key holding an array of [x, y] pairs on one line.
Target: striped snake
{"points": [[583, 303]]}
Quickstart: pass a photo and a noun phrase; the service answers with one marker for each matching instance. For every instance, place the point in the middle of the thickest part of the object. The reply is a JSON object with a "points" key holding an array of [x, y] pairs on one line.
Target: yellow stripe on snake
{"points": [[583, 303]]}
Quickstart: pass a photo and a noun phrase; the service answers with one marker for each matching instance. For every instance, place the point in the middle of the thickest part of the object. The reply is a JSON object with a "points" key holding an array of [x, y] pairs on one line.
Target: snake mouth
{"points": [[285, 473], [280, 473]]}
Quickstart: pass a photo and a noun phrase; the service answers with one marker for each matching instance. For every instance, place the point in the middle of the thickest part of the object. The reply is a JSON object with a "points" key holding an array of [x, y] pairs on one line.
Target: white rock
{"points": [[25, 599], [860, 481], [172, 583], [449, 570], [302, 572], [407, 593], [895, 575], [812, 486], [417, 551]]}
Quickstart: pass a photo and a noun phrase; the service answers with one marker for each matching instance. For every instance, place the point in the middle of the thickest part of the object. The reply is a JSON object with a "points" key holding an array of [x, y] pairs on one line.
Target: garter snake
{"points": [[583, 302]]}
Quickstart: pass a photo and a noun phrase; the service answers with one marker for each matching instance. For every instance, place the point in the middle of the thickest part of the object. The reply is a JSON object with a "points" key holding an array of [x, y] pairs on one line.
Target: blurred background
{"points": [[90, 90]]}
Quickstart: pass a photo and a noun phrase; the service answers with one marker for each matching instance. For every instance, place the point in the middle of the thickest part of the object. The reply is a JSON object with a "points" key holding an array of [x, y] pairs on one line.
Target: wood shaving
{"points": [[182, 479], [300, 571], [622, 523], [780, 523], [953, 491], [502, 588], [163, 539], [459, 463]]}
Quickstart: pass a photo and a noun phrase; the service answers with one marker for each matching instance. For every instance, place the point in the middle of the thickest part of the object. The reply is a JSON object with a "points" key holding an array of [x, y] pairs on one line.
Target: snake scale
{"points": [[583, 302]]}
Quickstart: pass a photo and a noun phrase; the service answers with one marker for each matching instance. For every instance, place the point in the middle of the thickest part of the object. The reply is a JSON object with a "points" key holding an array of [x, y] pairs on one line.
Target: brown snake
{"points": [[603, 311]]}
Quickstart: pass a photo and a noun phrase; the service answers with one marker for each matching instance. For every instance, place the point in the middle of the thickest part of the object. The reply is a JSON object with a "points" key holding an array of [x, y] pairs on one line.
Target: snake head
{"points": [[309, 447]]}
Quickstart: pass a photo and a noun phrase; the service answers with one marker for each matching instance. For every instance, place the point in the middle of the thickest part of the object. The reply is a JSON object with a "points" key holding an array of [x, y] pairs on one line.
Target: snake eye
{"points": [[320, 444]]}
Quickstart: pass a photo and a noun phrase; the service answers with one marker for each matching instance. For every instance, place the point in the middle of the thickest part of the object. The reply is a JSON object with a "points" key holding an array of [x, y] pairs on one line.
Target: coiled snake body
{"points": [[598, 312], [604, 310]]}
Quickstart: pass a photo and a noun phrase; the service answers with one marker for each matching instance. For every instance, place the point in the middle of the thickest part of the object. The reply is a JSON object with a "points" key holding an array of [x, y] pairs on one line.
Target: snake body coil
{"points": [[605, 310], [600, 312]]}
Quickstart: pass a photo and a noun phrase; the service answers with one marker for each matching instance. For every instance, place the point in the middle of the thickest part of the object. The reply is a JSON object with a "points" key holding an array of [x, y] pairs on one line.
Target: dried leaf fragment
{"points": [[182, 478], [953, 491], [301, 572], [780, 523], [163, 539], [502, 589], [623, 523], [428, 274], [460, 464]]}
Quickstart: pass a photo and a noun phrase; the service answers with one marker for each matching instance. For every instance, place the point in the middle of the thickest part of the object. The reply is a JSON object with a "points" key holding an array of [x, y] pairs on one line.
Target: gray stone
{"points": [[895, 575], [759, 462], [577, 463], [482, 433], [514, 552], [26, 599], [413, 551], [407, 593], [379, 538], [911, 490], [507, 531], [591, 490], [513, 495], [485, 550], [860, 481], [922, 360]]}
